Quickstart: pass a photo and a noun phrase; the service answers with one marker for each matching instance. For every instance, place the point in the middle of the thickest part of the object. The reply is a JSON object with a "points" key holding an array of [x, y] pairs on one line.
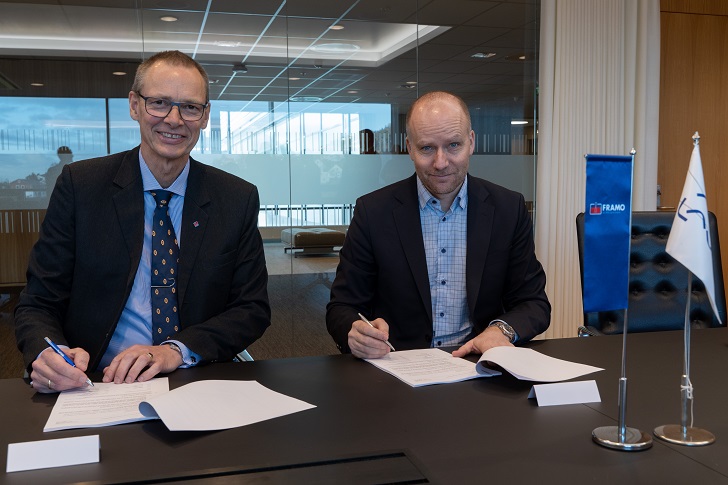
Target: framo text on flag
{"points": [[689, 241], [607, 232]]}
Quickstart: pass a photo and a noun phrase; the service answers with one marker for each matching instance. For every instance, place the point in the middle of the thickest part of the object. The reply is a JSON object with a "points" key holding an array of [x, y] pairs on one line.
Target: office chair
{"points": [[657, 283]]}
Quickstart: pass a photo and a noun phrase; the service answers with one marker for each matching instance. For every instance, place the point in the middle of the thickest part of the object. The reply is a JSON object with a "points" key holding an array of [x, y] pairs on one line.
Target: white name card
{"points": [[33, 455], [578, 392]]}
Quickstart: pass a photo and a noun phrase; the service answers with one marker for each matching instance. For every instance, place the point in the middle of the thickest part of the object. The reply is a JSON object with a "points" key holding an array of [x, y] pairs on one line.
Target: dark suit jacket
{"points": [[382, 271], [82, 268]]}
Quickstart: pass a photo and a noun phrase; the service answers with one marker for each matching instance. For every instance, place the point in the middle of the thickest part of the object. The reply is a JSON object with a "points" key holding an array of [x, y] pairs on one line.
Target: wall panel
{"points": [[694, 97]]}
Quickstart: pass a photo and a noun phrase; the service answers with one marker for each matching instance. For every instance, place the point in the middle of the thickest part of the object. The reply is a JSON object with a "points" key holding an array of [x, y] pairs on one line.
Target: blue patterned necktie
{"points": [[165, 256]]}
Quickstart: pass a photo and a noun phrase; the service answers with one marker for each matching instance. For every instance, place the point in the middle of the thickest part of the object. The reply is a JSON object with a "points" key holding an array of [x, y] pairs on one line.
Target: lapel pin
{"points": [[196, 224]]}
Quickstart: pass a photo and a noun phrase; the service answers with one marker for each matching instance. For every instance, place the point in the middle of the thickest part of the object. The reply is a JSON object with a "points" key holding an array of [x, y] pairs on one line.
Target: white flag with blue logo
{"points": [[689, 241]]}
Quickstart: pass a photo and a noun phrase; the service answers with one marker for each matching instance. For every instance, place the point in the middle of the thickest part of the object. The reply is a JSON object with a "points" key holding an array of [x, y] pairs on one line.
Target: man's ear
{"points": [[206, 118], [134, 105]]}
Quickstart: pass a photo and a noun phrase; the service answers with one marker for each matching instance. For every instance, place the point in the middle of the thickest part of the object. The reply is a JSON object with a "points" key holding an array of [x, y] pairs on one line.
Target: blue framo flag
{"points": [[607, 232]]}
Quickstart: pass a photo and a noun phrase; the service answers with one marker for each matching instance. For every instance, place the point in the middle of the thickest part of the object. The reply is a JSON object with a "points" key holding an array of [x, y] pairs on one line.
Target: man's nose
{"points": [[440, 159], [174, 116]]}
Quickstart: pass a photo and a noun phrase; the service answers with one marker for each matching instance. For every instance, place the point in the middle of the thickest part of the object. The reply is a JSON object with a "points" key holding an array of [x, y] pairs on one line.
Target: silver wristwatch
{"points": [[176, 348], [505, 328]]}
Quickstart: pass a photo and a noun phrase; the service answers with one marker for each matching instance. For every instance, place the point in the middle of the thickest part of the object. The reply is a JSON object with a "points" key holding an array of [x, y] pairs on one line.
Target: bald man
{"points": [[442, 258]]}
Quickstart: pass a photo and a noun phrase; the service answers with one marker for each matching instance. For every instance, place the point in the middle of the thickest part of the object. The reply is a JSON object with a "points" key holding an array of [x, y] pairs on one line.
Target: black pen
{"points": [[58, 350], [370, 324]]}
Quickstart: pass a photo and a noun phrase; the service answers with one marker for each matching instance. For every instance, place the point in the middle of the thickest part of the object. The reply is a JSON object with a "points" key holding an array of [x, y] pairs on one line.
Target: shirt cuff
{"points": [[189, 358]]}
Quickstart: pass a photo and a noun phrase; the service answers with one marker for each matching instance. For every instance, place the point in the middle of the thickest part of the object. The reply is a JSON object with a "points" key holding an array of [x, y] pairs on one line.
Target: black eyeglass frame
{"points": [[172, 104]]}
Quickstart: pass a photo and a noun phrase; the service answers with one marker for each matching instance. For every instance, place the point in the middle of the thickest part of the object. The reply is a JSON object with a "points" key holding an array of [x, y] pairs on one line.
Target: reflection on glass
{"points": [[36, 137], [304, 157]]}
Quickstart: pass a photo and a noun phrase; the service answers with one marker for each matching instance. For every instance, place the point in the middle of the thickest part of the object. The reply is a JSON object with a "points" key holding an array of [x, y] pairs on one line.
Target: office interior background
{"points": [[294, 84]]}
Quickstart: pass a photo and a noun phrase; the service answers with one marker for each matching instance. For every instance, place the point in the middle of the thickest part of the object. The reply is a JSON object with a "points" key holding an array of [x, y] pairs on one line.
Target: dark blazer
{"points": [[382, 271], [82, 268]]}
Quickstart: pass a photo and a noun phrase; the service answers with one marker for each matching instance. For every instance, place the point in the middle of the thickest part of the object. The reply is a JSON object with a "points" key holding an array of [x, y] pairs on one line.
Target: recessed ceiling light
{"points": [[312, 99], [483, 55], [294, 78], [353, 92], [519, 122], [407, 86], [227, 43], [411, 82], [523, 58], [119, 73], [37, 85], [168, 18], [336, 27], [335, 47], [213, 81]]}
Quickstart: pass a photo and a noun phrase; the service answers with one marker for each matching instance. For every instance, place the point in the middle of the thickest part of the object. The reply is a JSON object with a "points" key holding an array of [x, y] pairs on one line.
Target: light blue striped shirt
{"points": [[445, 237], [135, 323]]}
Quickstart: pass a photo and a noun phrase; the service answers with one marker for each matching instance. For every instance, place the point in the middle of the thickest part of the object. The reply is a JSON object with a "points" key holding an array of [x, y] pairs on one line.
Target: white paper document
{"points": [[216, 404], [105, 404], [565, 393], [199, 406], [424, 367], [33, 455], [529, 365]]}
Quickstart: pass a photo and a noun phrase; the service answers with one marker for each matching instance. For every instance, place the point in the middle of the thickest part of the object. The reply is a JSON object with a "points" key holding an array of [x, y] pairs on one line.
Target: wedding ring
{"points": [[151, 357], [50, 384]]}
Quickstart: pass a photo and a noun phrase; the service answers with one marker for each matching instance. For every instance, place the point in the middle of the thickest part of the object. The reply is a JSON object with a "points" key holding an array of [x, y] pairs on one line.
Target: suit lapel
{"points": [[129, 206], [407, 220], [480, 229], [194, 224]]}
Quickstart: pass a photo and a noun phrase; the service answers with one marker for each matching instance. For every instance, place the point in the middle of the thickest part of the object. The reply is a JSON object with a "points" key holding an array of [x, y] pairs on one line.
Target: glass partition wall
{"points": [[308, 102]]}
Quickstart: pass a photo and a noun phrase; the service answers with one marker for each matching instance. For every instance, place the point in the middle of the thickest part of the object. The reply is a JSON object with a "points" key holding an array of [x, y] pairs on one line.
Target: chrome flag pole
{"points": [[684, 434], [621, 437]]}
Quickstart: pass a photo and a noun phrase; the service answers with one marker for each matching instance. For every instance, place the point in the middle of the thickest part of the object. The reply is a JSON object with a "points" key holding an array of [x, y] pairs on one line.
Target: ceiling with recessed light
{"points": [[381, 51]]}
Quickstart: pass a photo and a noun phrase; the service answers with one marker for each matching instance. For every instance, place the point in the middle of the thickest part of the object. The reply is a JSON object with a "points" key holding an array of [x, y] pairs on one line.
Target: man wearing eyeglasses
{"points": [[147, 259]]}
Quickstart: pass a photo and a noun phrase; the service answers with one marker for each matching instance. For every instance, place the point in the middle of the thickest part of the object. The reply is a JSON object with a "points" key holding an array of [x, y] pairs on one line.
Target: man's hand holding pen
{"points": [[369, 339], [52, 373]]}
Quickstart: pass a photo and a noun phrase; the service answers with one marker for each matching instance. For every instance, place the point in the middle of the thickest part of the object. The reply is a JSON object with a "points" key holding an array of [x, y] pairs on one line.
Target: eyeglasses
{"points": [[160, 108]]}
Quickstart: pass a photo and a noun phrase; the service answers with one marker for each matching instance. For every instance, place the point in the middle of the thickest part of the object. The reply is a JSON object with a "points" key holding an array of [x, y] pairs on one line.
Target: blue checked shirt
{"points": [[445, 237]]}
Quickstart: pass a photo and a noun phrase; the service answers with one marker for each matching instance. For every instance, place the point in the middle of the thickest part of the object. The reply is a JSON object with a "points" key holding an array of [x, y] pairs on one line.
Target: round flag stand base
{"points": [[634, 439], [673, 433]]}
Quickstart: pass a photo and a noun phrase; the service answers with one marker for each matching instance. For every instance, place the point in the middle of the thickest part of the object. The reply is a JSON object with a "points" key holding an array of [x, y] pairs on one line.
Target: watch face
{"points": [[506, 330]]}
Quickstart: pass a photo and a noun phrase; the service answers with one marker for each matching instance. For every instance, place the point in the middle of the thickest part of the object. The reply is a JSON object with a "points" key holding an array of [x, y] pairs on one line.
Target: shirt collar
{"points": [[424, 196], [178, 187]]}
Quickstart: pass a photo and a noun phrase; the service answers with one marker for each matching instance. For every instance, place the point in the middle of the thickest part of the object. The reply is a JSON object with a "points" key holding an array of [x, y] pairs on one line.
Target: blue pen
{"points": [[58, 350]]}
